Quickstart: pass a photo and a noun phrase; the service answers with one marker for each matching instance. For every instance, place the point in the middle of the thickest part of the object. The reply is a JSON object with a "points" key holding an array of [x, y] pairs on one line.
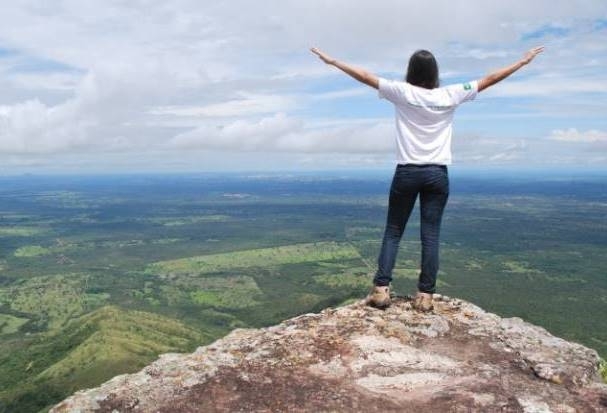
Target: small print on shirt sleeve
{"points": [[464, 91]]}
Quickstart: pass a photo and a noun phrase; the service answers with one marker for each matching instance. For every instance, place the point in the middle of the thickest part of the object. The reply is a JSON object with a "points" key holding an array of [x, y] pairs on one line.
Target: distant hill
{"points": [[89, 350], [359, 359]]}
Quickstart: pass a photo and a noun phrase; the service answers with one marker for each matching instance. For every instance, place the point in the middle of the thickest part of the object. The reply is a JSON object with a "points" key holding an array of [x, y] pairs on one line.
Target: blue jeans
{"points": [[431, 182]]}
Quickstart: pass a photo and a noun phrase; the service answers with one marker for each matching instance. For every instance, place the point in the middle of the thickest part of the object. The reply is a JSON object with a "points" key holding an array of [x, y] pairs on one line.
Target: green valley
{"points": [[100, 275]]}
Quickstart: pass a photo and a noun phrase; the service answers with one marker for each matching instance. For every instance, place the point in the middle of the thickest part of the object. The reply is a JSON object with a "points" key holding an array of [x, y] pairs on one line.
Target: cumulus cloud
{"points": [[94, 117], [32, 127], [280, 133]]}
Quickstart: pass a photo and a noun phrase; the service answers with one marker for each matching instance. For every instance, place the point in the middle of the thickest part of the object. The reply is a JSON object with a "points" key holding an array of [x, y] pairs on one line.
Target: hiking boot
{"points": [[423, 302], [379, 297]]}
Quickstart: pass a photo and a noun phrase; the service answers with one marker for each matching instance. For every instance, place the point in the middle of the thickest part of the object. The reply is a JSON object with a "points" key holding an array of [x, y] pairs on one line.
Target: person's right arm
{"points": [[503, 73]]}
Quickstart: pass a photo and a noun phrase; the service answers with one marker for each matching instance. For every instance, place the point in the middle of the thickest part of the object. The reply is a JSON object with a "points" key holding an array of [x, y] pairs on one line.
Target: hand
{"points": [[531, 54], [324, 57]]}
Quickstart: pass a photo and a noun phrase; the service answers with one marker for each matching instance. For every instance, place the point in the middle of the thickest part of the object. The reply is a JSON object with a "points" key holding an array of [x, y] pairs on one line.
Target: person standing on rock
{"points": [[424, 116]]}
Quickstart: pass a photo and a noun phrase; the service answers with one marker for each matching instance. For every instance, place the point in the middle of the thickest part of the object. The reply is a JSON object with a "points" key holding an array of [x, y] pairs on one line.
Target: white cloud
{"points": [[565, 147], [483, 54], [247, 104], [32, 127], [98, 117], [280, 133], [340, 94], [556, 86], [52, 81], [488, 150], [573, 135]]}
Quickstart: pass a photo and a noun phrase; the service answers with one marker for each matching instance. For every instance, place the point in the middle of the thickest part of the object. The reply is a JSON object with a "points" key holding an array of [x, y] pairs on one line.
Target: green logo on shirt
{"points": [[467, 86]]}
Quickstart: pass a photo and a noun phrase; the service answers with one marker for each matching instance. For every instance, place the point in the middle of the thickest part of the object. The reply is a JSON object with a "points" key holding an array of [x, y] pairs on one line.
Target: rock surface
{"points": [[457, 358]]}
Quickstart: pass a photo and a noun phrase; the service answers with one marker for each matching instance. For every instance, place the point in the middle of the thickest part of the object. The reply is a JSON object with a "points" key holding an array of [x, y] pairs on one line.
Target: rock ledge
{"points": [[457, 358]]}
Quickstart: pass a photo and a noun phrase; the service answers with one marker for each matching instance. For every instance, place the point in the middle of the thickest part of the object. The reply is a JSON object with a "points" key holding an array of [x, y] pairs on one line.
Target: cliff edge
{"points": [[457, 358]]}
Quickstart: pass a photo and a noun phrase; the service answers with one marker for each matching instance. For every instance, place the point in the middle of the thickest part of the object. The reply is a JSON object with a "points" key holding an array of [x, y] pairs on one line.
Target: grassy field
{"points": [[18, 231], [52, 300], [10, 324], [226, 292], [31, 251], [260, 257]]}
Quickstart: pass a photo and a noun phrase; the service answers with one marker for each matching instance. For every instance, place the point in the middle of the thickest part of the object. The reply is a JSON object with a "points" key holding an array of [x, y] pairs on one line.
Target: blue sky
{"points": [[113, 86]]}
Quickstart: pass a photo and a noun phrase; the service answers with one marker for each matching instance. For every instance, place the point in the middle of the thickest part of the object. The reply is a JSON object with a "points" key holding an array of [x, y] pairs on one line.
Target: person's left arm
{"points": [[357, 73]]}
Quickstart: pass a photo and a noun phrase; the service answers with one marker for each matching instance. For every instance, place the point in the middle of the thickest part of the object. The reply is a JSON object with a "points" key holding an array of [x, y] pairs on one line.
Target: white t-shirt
{"points": [[424, 119]]}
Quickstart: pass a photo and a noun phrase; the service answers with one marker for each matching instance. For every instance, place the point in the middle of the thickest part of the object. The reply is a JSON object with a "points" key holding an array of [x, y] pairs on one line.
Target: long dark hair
{"points": [[423, 70]]}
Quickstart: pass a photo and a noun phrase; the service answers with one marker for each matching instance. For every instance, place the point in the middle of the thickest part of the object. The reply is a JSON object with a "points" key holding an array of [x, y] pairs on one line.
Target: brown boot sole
{"points": [[381, 306]]}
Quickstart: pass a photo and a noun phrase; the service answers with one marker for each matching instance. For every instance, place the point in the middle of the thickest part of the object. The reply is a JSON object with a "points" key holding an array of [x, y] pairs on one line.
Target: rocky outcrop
{"points": [[457, 358]]}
